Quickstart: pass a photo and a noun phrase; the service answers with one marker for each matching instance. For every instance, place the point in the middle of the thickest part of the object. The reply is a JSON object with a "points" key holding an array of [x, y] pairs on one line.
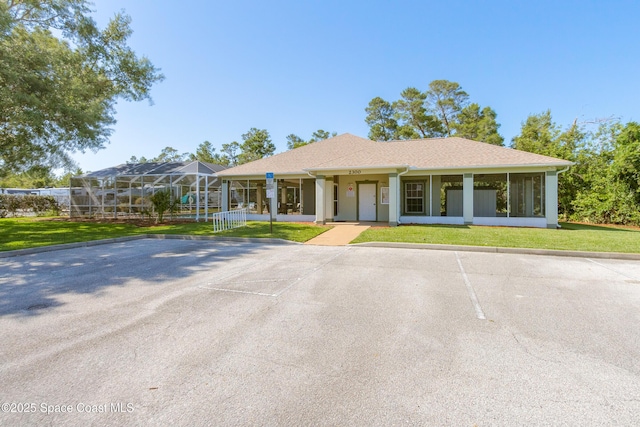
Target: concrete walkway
{"points": [[340, 235]]}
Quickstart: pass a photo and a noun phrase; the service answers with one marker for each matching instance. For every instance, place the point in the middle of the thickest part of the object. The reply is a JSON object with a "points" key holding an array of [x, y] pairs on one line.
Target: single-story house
{"points": [[426, 181]]}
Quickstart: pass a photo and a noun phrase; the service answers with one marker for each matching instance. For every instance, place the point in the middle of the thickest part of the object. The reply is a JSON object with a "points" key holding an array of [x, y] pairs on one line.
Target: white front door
{"points": [[366, 202]]}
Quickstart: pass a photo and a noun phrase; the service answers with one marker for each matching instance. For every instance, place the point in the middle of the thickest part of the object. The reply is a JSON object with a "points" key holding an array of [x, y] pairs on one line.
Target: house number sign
{"points": [[355, 172]]}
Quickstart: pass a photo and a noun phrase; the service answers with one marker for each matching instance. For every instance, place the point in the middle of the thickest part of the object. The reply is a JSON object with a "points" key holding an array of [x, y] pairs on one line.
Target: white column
{"points": [[206, 198], [197, 197], [394, 199], [467, 198], [225, 196], [328, 198], [320, 205], [551, 199]]}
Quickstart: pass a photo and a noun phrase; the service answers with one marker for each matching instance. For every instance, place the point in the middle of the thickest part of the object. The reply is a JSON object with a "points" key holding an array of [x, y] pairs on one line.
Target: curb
{"points": [[64, 246], [426, 246], [499, 250]]}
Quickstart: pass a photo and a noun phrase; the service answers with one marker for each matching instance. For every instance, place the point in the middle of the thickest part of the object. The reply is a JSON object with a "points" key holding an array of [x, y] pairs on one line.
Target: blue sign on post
{"points": [[270, 189], [271, 194]]}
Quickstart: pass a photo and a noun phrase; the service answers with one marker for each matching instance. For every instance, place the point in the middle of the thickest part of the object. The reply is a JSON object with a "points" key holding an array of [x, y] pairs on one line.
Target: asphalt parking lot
{"points": [[159, 332]]}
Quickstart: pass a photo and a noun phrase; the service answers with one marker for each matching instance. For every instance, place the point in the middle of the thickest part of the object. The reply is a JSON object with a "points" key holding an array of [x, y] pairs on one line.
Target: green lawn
{"points": [[22, 233], [577, 237]]}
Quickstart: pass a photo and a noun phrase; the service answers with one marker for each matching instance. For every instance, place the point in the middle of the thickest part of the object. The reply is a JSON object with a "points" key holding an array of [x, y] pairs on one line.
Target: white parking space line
{"points": [[292, 281], [612, 269], [237, 291], [472, 294], [313, 271]]}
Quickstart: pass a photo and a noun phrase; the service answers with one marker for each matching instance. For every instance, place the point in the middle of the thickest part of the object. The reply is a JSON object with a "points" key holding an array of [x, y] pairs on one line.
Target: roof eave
{"points": [[496, 166], [254, 174], [335, 168]]}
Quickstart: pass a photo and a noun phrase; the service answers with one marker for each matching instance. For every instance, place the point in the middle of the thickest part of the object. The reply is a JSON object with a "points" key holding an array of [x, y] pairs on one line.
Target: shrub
{"points": [[14, 203], [162, 203]]}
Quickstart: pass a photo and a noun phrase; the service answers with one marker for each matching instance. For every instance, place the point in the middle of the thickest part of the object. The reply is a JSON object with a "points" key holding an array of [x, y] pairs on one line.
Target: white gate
{"points": [[229, 219]]}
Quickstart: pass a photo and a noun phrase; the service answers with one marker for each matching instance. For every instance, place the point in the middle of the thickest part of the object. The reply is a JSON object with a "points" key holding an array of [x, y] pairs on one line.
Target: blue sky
{"points": [[298, 66]]}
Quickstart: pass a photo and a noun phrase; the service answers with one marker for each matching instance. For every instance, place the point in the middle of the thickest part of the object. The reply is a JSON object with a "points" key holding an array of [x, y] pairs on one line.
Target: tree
{"points": [[321, 135], [626, 159], [609, 169], [231, 153], [257, 145], [60, 79], [380, 118], [541, 135], [36, 176], [439, 112], [445, 100], [206, 153], [162, 202], [64, 180], [133, 160], [294, 141], [170, 154], [478, 125], [570, 146], [411, 112]]}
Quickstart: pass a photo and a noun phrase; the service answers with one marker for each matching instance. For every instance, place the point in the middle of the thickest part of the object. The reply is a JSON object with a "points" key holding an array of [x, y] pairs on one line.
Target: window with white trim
{"points": [[414, 197]]}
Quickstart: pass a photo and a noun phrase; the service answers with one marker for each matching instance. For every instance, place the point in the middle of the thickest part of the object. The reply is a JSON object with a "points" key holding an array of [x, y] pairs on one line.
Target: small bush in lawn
{"points": [[162, 203]]}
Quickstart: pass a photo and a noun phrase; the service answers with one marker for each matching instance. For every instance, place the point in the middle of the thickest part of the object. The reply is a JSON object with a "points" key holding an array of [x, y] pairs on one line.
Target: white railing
{"points": [[229, 219]]}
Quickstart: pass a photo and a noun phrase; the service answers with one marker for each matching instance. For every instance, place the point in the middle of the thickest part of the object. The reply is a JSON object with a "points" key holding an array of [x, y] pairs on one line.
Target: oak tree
{"points": [[60, 79]]}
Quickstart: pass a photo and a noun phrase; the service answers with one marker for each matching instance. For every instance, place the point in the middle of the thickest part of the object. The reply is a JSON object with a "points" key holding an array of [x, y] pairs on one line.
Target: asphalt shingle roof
{"points": [[349, 151]]}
